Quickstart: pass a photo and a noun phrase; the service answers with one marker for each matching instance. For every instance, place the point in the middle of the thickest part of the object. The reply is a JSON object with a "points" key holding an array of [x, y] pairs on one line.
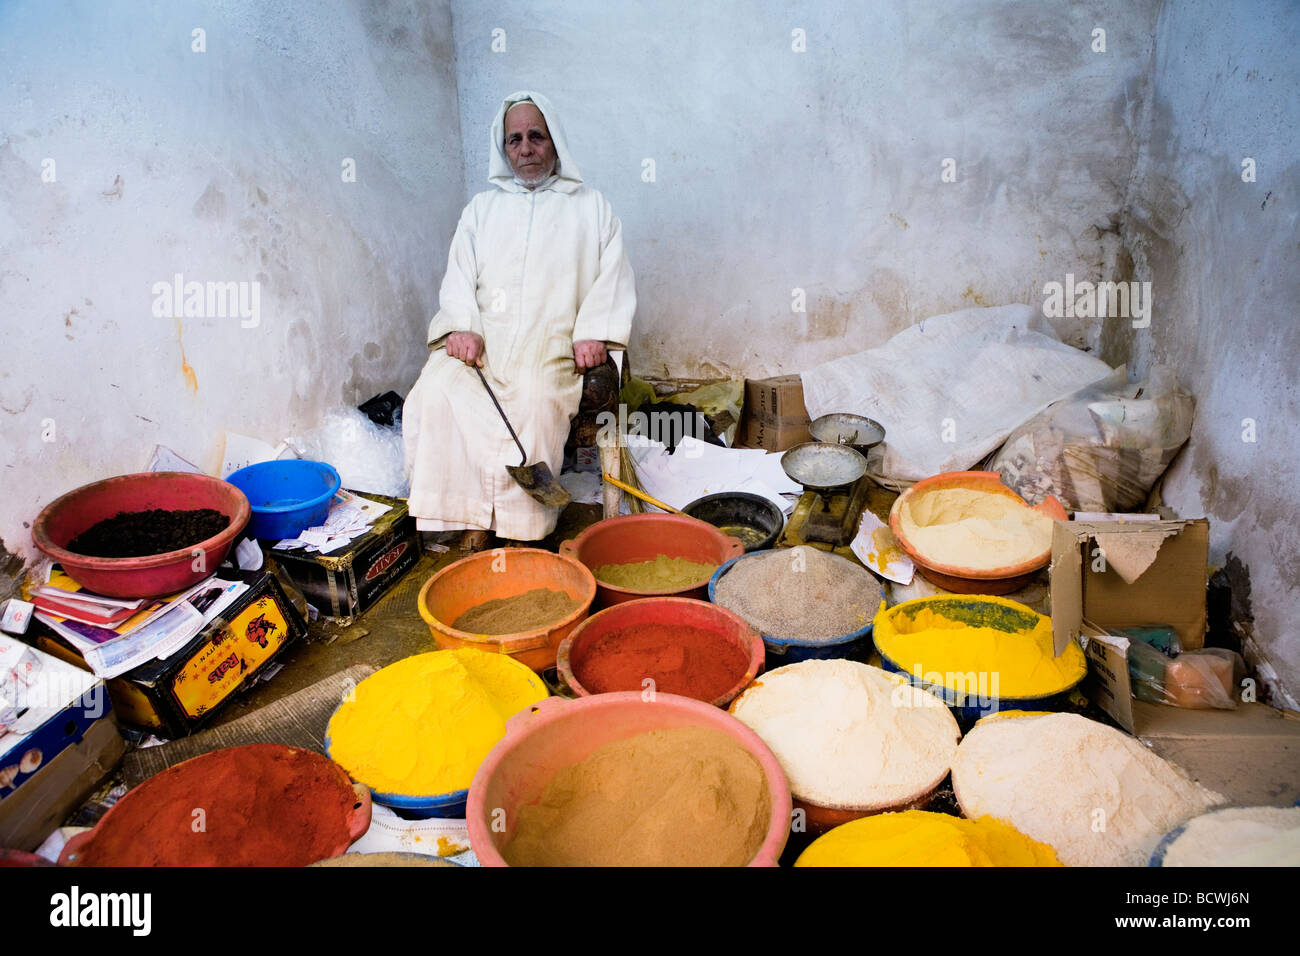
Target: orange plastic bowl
{"points": [[971, 580], [504, 573]]}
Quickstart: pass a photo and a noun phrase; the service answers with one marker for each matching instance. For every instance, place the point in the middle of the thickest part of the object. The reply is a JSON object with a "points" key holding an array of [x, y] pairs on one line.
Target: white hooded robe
{"points": [[532, 272]]}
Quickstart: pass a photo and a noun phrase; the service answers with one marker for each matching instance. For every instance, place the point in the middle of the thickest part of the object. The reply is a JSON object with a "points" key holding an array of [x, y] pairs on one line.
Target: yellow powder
{"points": [[422, 726], [979, 530], [920, 838], [966, 658], [661, 574]]}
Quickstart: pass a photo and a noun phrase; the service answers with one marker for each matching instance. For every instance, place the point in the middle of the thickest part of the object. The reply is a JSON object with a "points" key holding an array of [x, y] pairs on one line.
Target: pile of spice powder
{"points": [[529, 611], [921, 838], [1056, 777], [662, 573], [850, 735], [979, 530], [423, 725], [947, 652], [134, 534], [800, 593], [690, 661], [1238, 836], [689, 796]]}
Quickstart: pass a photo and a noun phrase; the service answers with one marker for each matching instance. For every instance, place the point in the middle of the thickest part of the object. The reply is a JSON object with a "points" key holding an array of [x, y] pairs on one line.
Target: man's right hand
{"points": [[466, 346]]}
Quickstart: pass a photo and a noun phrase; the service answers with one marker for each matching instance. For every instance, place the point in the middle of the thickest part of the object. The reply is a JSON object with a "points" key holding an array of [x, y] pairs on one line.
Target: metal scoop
{"points": [[536, 479]]}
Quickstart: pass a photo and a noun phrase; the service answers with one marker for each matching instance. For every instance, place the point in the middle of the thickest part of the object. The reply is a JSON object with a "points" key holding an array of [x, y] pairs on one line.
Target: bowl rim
{"points": [[849, 638], [42, 539], [306, 503], [972, 479], [470, 637], [753, 666], [574, 545]]}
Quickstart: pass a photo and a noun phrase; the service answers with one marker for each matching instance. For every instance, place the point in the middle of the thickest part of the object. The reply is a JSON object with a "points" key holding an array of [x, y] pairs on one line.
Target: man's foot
{"points": [[473, 541]]}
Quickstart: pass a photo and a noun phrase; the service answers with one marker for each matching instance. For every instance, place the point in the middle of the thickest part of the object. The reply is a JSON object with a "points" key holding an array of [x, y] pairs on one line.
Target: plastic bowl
{"points": [[444, 805], [149, 575], [982, 611], [554, 734], [631, 538], [855, 646], [741, 508], [478, 578], [679, 612], [970, 580], [287, 496]]}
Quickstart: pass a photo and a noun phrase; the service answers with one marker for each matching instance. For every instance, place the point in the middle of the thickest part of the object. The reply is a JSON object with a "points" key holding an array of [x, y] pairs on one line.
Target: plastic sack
{"points": [[951, 388], [719, 403], [1102, 448], [368, 457], [1201, 680]]}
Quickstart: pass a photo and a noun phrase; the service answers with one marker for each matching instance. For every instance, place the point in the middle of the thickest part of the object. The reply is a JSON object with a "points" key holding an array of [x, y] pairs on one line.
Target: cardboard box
{"points": [[776, 399], [34, 811], [343, 584], [775, 417], [61, 744], [178, 695], [1111, 574]]}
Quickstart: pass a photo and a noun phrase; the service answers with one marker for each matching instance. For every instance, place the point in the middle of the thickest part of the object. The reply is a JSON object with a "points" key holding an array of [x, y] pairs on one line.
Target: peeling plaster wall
{"points": [[224, 166], [820, 170], [1224, 259]]}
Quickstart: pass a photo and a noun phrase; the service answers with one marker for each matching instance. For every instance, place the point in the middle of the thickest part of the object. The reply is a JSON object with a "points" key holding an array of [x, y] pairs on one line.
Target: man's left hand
{"points": [[588, 354]]}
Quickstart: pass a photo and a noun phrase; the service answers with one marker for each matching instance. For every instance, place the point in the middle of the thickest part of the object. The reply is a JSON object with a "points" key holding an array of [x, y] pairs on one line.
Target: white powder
{"points": [[965, 528], [850, 735], [1095, 794], [1239, 836]]}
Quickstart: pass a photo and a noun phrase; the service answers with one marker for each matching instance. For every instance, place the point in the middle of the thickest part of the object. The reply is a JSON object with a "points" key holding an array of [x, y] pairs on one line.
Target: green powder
{"points": [[661, 574]]}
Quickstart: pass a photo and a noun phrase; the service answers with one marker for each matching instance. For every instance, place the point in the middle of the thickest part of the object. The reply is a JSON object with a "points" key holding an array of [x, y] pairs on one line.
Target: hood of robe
{"points": [[566, 178]]}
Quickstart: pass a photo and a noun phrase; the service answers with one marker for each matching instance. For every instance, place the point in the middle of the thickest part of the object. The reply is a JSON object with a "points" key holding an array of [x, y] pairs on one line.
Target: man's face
{"points": [[529, 146]]}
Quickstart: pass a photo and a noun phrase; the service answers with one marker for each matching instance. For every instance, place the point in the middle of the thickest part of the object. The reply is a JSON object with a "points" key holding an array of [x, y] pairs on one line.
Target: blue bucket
{"points": [[286, 496], [856, 646]]}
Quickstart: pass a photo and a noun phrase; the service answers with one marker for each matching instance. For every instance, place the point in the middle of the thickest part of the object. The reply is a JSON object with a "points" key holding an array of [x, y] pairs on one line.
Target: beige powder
{"points": [[972, 529], [848, 734], [1240, 836], [1095, 794]]}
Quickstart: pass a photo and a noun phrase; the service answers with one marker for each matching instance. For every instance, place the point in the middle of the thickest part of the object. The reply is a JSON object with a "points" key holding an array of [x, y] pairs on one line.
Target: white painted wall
{"points": [[821, 170], [223, 165], [1222, 256]]}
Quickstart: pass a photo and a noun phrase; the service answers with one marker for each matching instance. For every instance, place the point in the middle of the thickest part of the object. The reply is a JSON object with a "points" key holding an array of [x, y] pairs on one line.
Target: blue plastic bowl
{"points": [[791, 650], [444, 806], [287, 496]]}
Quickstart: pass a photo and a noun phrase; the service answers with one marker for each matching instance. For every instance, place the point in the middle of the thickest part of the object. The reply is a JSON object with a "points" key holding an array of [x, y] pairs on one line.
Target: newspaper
{"points": [[350, 517]]}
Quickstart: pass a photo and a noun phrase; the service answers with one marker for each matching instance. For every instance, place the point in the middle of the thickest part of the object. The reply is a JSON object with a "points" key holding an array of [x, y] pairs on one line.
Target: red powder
{"points": [[261, 805], [688, 661]]}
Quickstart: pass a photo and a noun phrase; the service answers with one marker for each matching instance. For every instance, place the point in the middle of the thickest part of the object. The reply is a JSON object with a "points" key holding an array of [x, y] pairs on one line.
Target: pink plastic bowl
{"points": [[555, 733]]}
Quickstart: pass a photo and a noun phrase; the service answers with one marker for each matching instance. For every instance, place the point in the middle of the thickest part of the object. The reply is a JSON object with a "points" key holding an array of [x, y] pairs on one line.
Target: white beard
{"points": [[538, 179]]}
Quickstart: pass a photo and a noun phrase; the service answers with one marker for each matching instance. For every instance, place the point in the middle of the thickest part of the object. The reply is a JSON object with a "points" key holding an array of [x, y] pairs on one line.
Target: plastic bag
{"points": [[368, 457], [1201, 680], [1102, 448]]}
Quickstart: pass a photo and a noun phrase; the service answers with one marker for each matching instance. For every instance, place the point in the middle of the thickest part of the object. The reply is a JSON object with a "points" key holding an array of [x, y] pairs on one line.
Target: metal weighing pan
{"points": [[841, 428], [820, 466]]}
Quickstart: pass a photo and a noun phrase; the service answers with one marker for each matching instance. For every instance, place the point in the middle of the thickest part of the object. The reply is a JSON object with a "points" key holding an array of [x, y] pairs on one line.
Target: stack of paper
{"points": [[698, 468], [350, 517]]}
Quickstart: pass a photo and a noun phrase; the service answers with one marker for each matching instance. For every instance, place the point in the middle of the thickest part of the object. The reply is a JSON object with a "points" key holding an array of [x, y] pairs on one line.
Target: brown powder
{"points": [[690, 796], [529, 611]]}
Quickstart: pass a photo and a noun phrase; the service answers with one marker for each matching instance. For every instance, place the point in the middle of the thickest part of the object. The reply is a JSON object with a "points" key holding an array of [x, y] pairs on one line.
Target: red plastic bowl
{"points": [[554, 733], [150, 575], [574, 650], [631, 538]]}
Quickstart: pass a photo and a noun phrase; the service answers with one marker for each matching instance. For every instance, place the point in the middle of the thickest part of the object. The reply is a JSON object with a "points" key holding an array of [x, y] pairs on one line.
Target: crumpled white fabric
{"points": [[951, 388]]}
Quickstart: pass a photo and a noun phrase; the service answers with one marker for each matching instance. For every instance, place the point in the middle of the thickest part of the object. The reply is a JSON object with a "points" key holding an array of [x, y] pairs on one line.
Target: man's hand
{"points": [[588, 354], [466, 346]]}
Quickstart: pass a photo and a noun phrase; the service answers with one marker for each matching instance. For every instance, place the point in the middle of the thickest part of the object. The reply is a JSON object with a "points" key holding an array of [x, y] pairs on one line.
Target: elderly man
{"points": [[537, 287]]}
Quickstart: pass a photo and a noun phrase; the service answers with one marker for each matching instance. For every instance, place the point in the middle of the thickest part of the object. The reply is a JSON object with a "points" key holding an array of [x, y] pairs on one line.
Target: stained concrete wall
{"points": [[225, 166], [821, 170], [1221, 254]]}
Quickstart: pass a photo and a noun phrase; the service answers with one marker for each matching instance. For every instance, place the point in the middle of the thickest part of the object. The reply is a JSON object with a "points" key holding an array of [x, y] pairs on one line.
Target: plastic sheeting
{"points": [[950, 389]]}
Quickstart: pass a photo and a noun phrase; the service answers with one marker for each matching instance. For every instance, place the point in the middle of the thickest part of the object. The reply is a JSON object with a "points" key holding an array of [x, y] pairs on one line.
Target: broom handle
{"points": [[637, 493]]}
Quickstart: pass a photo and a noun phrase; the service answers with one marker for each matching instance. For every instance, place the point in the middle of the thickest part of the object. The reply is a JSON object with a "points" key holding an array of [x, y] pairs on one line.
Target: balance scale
{"points": [[833, 472]]}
